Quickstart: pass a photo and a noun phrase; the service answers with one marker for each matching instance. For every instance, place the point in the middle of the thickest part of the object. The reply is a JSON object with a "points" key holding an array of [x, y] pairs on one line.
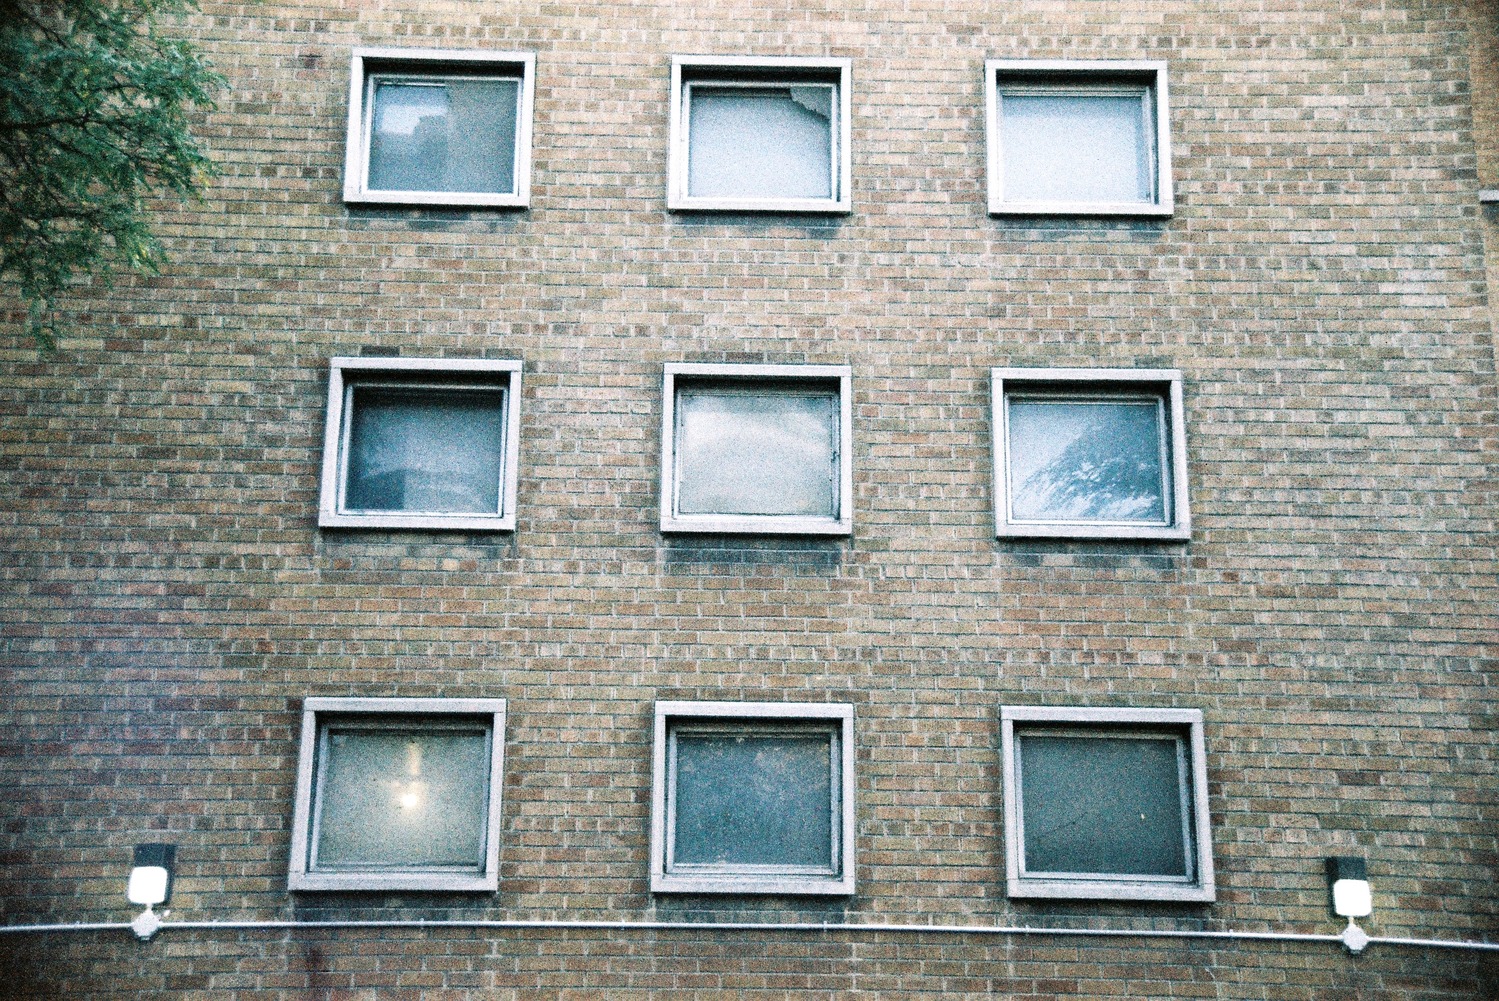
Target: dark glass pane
{"points": [[1102, 805], [399, 799], [761, 143], [1087, 148], [754, 799], [1086, 460], [444, 135], [437, 451], [757, 453]]}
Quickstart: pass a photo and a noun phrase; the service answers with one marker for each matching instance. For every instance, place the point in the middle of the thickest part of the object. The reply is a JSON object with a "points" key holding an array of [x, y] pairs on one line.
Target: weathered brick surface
{"points": [[530, 965], [168, 600]]}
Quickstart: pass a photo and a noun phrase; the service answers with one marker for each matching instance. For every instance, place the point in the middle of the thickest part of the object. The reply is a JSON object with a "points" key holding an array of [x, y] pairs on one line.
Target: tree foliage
{"points": [[94, 114]]}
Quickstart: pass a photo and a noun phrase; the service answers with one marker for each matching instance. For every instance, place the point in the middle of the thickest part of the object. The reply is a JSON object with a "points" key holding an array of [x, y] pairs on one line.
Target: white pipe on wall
{"points": [[767, 926]]}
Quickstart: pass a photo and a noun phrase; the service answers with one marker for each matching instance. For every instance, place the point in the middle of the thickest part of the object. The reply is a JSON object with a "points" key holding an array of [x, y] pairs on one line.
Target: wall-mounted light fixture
{"points": [[1350, 897], [150, 884]]}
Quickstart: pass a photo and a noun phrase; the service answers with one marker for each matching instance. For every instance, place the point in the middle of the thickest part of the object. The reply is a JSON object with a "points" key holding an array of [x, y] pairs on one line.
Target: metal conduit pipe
{"points": [[781, 926]]}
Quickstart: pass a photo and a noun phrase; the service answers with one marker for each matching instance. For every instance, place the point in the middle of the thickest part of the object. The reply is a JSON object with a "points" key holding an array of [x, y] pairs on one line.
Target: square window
{"points": [[398, 794], [760, 134], [1078, 138], [439, 128], [1090, 453], [1106, 804], [421, 443], [753, 797], [756, 448]]}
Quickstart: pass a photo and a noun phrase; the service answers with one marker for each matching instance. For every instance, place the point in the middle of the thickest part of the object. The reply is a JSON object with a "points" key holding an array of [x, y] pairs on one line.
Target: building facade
{"points": [[776, 500]]}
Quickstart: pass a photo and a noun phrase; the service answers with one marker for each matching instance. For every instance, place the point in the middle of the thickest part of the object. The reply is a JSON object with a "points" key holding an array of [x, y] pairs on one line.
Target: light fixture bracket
{"points": [[146, 924], [150, 884], [1349, 897], [1354, 938]]}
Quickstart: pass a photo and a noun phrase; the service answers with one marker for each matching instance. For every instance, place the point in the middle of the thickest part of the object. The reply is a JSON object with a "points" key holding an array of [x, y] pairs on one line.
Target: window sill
{"points": [[1080, 889], [428, 522], [1135, 209], [783, 205], [437, 199], [1143, 533], [755, 525], [374, 882], [803, 886]]}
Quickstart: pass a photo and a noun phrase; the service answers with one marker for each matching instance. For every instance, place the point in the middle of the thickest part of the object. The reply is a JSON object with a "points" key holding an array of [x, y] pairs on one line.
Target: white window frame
{"points": [[769, 718], [1186, 724], [425, 373], [316, 714], [434, 64], [750, 376], [1082, 77], [1103, 384], [749, 71]]}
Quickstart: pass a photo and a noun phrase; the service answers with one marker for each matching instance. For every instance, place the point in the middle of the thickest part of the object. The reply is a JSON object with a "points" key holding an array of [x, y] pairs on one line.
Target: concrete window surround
{"points": [[699, 448], [487, 165], [720, 865], [1078, 137], [1179, 732], [464, 802], [410, 387], [1021, 397], [781, 126]]}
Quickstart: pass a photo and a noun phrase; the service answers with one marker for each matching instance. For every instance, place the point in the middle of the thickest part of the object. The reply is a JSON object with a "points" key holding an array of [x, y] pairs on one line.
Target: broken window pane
{"points": [[761, 142]]}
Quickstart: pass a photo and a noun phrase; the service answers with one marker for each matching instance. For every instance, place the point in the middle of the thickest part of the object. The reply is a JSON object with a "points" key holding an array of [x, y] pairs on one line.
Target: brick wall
{"points": [[446, 964], [168, 600]]}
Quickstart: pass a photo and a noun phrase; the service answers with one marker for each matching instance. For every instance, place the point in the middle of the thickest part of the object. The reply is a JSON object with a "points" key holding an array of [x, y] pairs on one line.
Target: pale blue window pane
{"points": [[1103, 805], [1075, 148], [435, 451], [754, 799], [394, 799], [444, 135], [761, 143], [771, 453], [1086, 460]]}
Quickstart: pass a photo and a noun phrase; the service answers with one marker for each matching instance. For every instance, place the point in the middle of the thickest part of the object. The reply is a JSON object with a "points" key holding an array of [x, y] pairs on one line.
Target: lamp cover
{"points": [[1348, 881], [151, 875]]}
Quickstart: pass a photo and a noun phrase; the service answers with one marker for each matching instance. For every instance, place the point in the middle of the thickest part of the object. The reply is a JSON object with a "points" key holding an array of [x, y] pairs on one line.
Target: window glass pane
{"points": [[757, 452], [754, 799], [772, 142], [435, 451], [403, 799], [1087, 460], [444, 135], [1102, 805], [1088, 148]]}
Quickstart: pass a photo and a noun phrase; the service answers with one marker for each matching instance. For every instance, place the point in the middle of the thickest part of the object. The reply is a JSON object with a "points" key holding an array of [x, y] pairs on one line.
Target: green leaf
{"points": [[95, 108]]}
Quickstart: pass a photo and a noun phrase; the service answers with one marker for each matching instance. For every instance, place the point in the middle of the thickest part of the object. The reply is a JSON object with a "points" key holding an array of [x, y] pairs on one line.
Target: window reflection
{"points": [[454, 135], [438, 451], [1088, 460], [769, 452]]}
